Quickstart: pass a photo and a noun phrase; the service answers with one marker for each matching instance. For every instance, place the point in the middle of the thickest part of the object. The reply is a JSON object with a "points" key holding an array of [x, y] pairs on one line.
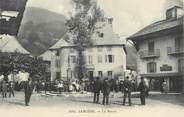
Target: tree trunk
{"points": [[81, 64]]}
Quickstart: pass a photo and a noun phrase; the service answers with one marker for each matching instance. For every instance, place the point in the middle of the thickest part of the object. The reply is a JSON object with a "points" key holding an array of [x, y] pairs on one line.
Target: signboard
{"points": [[166, 67]]}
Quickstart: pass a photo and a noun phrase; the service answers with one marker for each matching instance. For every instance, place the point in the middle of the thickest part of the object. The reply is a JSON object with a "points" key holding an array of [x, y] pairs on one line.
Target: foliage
{"points": [[15, 62], [81, 26]]}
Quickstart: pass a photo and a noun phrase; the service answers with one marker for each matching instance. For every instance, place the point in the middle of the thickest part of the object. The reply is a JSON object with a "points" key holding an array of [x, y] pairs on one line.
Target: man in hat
{"points": [[28, 89], [11, 89], [127, 86], [142, 88], [106, 91], [4, 88], [96, 89]]}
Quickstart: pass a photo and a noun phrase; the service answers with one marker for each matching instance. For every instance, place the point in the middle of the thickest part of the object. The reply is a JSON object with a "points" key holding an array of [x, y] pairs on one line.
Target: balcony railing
{"points": [[149, 54], [175, 51]]}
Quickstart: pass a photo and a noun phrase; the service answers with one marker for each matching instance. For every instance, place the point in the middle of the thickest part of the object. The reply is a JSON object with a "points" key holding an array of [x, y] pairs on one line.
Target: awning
{"points": [[159, 75]]}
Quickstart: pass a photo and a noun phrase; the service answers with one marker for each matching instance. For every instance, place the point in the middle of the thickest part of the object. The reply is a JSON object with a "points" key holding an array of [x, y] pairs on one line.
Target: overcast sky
{"points": [[129, 15]]}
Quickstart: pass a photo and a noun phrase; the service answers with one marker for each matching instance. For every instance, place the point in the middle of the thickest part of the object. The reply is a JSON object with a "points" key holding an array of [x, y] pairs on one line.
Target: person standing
{"points": [[28, 89], [105, 91], [60, 87], [127, 86], [164, 87], [4, 88], [46, 86], [142, 88], [11, 89], [96, 89]]}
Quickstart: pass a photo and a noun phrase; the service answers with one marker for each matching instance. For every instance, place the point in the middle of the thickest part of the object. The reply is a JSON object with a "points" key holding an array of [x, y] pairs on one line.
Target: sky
{"points": [[129, 15]]}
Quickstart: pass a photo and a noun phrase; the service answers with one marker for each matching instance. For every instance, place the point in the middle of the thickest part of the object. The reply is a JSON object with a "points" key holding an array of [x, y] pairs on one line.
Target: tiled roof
{"points": [[158, 26], [96, 42], [107, 39], [103, 36], [106, 42], [10, 44], [60, 43]]}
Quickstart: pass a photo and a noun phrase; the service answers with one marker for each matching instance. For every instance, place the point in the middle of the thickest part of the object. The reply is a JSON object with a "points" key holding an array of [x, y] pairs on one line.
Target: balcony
{"points": [[146, 54], [175, 51]]}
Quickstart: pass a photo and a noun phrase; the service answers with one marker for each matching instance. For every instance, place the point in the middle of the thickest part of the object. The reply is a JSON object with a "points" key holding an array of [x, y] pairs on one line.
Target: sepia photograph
{"points": [[91, 58]]}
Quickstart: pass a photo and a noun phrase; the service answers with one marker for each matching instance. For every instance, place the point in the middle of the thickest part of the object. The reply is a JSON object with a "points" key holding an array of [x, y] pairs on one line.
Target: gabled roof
{"points": [[96, 42], [46, 56], [158, 26], [60, 43], [10, 44], [108, 38], [108, 42]]}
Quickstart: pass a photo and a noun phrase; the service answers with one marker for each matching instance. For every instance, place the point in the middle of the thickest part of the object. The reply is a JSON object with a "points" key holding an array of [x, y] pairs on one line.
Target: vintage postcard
{"points": [[81, 58]]}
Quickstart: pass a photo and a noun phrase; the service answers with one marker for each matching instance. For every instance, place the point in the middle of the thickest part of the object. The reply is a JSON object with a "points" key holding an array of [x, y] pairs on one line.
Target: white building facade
{"points": [[106, 58], [160, 51]]}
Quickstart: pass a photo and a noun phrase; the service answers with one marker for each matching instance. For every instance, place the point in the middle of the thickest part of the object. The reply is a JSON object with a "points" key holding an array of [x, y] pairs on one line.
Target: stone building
{"points": [[160, 51], [105, 58]]}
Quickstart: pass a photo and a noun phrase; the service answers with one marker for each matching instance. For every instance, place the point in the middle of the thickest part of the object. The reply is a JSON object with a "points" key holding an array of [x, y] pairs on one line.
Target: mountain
{"points": [[40, 29], [39, 15]]}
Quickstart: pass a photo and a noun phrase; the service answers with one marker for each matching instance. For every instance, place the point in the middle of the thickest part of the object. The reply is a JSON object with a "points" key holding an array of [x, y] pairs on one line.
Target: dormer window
{"points": [[171, 13], [174, 13]]}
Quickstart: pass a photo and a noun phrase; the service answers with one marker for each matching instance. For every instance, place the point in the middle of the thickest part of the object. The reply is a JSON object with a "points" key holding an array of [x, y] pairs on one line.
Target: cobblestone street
{"points": [[81, 104]]}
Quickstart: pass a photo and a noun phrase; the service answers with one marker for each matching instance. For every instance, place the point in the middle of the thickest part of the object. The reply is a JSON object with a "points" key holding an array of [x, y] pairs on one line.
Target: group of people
{"points": [[105, 87], [125, 86], [7, 89]]}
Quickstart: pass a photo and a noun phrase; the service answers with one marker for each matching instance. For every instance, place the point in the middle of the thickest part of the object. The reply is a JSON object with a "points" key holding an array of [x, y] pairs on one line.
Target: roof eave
{"points": [[52, 49], [156, 34]]}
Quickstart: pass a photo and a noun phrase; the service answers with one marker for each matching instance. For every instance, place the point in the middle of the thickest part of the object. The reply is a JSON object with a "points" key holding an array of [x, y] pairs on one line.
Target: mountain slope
{"points": [[39, 15], [40, 29]]}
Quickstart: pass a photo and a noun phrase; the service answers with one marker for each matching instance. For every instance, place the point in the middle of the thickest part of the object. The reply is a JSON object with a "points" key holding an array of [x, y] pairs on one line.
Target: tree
{"points": [[81, 25], [15, 62]]}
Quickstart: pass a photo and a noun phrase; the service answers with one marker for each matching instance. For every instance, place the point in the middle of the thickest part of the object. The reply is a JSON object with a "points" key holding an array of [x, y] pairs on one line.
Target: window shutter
{"points": [[148, 67], [106, 58], [68, 59], [112, 58]]}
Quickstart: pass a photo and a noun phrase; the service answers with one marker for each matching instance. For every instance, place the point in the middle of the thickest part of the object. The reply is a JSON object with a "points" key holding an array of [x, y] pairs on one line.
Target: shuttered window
{"points": [[109, 58], [151, 67]]}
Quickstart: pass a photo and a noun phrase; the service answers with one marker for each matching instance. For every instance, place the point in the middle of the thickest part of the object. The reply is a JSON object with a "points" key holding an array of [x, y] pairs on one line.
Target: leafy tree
{"points": [[15, 62], [81, 25]]}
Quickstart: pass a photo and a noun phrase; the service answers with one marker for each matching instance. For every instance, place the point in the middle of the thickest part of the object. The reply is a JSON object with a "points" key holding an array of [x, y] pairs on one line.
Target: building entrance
{"points": [[155, 84], [91, 75]]}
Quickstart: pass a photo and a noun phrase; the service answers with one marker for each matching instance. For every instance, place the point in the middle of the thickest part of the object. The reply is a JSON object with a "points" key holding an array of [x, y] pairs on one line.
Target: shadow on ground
{"points": [[177, 99], [17, 103]]}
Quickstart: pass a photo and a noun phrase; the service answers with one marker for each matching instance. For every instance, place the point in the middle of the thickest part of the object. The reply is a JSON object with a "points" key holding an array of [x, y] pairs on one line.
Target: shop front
{"points": [[168, 82]]}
